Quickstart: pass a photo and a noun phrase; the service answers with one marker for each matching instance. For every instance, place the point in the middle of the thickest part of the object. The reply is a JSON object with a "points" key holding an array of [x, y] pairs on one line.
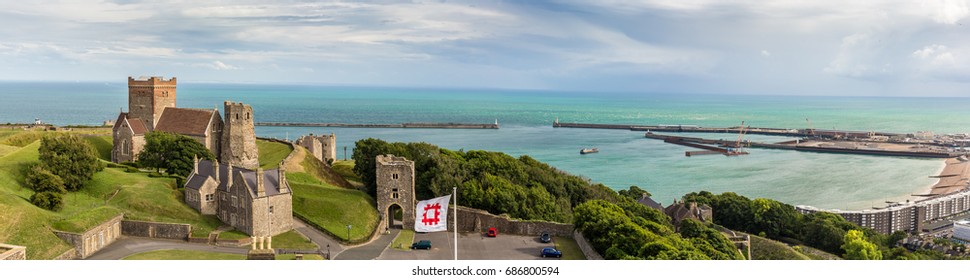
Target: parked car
{"points": [[492, 232], [545, 237], [549, 252], [423, 244]]}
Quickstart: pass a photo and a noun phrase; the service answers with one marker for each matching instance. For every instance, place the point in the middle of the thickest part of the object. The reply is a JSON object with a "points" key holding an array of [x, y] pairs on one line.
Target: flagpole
{"points": [[454, 193]]}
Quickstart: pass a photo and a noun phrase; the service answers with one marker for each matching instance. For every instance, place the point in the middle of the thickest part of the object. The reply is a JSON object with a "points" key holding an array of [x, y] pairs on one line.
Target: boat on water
{"points": [[589, 151]]}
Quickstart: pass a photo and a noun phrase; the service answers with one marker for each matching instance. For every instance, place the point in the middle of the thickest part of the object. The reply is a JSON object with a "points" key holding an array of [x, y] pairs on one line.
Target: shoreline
{"points": [[953, 178]]}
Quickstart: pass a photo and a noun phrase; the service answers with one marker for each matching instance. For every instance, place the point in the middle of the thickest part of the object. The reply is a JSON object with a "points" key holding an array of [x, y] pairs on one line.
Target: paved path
{"points": [[128, 246], [369, 251], [317, 237]]}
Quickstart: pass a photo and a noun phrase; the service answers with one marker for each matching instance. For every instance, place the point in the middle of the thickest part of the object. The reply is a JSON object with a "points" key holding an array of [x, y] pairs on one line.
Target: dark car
{"points": [[545, 237], [549, 252], [492, 232], [423, 244]]}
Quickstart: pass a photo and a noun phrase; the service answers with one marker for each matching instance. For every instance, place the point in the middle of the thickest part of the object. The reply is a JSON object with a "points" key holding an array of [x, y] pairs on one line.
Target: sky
{"points": [[805, 47]]}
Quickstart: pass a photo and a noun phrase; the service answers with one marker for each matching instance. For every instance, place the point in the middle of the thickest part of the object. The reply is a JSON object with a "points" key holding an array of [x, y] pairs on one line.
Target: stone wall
{"points": [[156, 230], [584, 246], [95, 239], [68, 255], [12, 252], [474, 220]]}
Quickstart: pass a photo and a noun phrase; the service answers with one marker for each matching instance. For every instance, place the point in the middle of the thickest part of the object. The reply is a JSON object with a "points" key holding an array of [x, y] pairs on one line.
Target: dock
{"points": [[825, 133], [401, 125], [796, 146]]}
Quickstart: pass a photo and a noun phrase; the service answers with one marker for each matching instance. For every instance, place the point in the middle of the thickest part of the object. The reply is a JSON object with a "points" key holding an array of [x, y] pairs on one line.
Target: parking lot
{"points": [[471, 246]]}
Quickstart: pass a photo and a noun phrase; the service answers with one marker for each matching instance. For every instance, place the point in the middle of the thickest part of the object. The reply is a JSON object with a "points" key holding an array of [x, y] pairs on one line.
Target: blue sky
{"points": [[818, 47]]}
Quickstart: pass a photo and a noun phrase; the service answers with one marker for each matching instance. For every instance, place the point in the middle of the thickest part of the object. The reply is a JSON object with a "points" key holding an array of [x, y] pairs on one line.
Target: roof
{"points": [[649, 202], [185, 121], [136, 125], [270, 178]]}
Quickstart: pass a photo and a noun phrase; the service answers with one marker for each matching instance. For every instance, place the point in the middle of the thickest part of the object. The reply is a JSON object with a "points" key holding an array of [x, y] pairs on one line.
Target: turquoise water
{"points": [[626, 158]]}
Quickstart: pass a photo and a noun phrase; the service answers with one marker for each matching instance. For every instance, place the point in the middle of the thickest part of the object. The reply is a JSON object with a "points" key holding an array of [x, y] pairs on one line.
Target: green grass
{"points": [[346, 169], [102, 145], [232, 235], [5, 150], [293, 240], [23, 138], [272, 153], [290, 257], [570, 250], [323, 173], [110, 191], [86, 220], [403, 240], [184, 255], [767, 249], [332, 209]]}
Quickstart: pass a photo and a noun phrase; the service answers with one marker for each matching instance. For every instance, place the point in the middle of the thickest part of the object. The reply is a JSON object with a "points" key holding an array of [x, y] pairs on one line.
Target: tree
{"points": [[173, 152], [39, 179], [70, 158], [634, 192], [48, 200], [858, 248]]}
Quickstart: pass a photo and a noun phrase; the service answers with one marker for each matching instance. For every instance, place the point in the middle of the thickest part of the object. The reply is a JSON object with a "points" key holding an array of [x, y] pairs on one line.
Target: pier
{"points": [[823, 133], [401, 125], [840, 147]]}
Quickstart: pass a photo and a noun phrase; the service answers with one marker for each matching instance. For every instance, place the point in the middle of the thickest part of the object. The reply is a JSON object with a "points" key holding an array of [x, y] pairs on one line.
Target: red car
{"points": [[492, 232]]}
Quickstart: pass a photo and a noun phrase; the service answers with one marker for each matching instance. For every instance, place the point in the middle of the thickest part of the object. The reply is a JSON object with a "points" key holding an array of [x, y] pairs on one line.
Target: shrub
{"points": [[48, 200]]}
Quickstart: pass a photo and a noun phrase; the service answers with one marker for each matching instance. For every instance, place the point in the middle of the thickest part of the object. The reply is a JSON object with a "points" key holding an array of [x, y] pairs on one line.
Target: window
{"points": [[235, 201], [271, 209], [394, 193], [394, 176], [210, 197]]}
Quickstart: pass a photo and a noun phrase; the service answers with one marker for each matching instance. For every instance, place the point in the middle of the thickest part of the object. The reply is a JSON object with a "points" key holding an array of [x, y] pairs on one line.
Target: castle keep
{"points": [[151, 107]]}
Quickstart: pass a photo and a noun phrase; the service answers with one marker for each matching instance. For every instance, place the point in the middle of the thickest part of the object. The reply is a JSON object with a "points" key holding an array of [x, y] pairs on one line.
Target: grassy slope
{"points": [[346, 169], [102, 145], [329, 207], [135, 194], [767, 249], [271, 153]]}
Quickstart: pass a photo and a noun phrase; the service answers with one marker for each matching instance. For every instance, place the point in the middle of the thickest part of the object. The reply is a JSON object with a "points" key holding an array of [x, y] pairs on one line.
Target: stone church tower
{"points": [[148, 98], [239, 137]]}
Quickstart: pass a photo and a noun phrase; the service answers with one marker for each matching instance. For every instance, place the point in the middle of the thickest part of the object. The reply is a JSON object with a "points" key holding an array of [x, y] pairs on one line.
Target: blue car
{"points": [[423, 244], [550, 252]]}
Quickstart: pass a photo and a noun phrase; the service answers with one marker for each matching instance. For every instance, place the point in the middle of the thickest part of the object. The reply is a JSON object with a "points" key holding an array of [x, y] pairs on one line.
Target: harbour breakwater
{"points": [[401, 125]]}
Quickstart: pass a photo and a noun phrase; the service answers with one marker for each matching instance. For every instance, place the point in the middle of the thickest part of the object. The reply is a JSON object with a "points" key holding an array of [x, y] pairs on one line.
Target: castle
{"points": [[152, 107], [323, 147], [233, 188]]}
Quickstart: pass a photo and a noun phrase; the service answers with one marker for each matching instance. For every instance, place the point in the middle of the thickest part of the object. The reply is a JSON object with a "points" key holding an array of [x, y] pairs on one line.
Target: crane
{"points": [[811, 131], [740, 135]]}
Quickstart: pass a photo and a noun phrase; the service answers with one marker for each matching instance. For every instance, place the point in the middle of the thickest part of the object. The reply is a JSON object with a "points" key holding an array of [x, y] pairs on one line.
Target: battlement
{"points": [[154, 81], [393, 160]]}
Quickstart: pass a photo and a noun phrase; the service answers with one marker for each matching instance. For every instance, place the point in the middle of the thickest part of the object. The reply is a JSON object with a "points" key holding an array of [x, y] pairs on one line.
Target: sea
{"points": [[626, 158]]}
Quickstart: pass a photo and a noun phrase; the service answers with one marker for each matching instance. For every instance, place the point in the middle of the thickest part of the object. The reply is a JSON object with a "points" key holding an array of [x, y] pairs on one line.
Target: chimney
{"points": [[215, 170], [230, 175], [195, 170], [260, 189], [282, 177]]}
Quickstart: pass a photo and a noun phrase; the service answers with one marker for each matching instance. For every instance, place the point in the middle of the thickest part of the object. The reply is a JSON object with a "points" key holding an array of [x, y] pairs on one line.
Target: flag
{"points": [[432, 215]]}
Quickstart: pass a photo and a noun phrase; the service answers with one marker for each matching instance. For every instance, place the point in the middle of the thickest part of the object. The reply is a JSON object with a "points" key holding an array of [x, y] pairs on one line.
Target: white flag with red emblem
{"points": [[432, 215]]}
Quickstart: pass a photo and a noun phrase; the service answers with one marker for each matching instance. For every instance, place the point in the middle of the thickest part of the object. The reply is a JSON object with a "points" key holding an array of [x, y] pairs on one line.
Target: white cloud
{"points": [[947, 11], [860, 56], [765, 53], [217, 65]]}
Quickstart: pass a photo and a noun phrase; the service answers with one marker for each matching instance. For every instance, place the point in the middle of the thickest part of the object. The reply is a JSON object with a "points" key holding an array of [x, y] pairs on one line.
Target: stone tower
{"points": [[329, 145], [395, 186], [147, 98], [239, 137]]}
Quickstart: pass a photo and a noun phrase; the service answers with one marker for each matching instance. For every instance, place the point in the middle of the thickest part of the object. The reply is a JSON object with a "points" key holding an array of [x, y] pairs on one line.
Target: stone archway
{"points": [[395, 186], [394, 216]]}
